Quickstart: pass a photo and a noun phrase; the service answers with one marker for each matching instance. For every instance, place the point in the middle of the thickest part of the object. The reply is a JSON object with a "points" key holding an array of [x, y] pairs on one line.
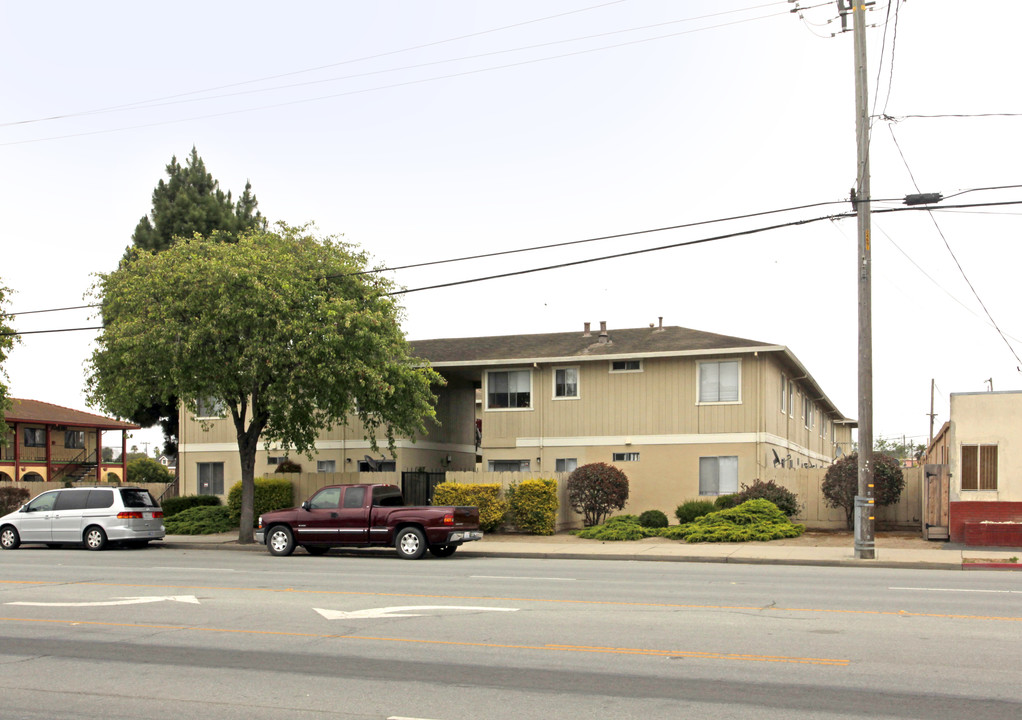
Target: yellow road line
{"points": [[833, 662], [612, 603]]}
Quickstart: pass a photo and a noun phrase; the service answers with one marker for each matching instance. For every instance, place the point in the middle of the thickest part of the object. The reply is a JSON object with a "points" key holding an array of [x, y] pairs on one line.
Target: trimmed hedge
{"points": [[752, 520], [533, 505], [619, 527], [12, 498], [270, 494], [201, 520], [172, 506], [492, 507], [693, 509]]}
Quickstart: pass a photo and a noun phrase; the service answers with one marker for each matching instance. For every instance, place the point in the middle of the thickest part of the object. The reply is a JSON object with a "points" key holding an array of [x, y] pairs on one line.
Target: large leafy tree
{"points": [[841, 483], [7, 339], [189, 201], [285, 331]]}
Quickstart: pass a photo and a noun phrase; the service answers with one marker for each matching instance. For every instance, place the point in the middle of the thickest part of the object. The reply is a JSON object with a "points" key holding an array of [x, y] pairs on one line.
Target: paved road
{"points": [[163, 633]]}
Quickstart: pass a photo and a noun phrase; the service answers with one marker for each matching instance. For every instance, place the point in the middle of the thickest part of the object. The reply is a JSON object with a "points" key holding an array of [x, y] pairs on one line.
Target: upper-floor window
{"points": [[979, 467], [566, 382], [626, 366], [791, 399], [74, 439], [508, 389], [784, 394], [208, 407], [719, 381], [626, 457], [35, 437]]}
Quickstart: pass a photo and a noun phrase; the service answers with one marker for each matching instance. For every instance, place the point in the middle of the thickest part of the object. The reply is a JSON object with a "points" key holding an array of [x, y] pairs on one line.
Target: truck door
{"points": [[319, 522], [354, 520]]}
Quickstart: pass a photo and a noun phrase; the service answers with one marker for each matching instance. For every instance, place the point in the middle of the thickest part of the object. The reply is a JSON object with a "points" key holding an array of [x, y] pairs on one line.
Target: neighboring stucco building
{"points": [[52, 443], [684, 413]]}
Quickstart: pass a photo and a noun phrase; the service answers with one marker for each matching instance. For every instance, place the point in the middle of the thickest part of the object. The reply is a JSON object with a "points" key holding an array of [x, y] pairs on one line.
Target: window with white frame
{"points": [[566, 464], [508, 465], [718, 475], [326, 466], [626, 366], [719, 381], [210, 408], [979, 467], [807, 411], [566, 382], [784, 394], [791, 399], [508, 389], [625, 457]]}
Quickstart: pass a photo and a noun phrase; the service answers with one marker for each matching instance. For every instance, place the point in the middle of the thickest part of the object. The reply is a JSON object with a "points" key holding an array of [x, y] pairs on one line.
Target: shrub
{"points": [[113, 477], [723, 502], [172, 506], [270, 494], [201, 520], [653, 519], [596, 489], [619, 527], [692, 509], [841, 483], [288, 466], [752, 520], [533, 506], [12, 498], [782, 497], [147, 470], [486, 497]]}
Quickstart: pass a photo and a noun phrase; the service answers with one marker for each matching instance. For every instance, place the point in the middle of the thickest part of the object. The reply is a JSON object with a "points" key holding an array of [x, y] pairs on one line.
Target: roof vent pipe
{"points": [[586, 332], [603, 331]]}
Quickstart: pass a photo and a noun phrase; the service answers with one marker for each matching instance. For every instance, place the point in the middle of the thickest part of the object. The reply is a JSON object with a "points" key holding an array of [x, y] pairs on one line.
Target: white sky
{"points": [[684, 121]]}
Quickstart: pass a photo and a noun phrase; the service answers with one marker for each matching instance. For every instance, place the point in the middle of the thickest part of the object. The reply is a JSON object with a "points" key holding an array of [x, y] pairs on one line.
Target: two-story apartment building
{"points": [[685, 413]]}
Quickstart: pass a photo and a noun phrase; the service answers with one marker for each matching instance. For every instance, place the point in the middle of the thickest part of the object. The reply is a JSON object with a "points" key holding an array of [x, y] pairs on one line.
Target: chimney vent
{"points": [[603, 331], [586, 332], [660, 329]]}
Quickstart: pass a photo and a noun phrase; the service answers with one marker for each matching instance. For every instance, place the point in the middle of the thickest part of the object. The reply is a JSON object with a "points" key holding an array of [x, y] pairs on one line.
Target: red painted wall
{"points": [[966, 523]]}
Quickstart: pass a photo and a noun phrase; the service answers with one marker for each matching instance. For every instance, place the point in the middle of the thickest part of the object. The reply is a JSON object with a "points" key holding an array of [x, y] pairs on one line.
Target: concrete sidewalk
{"points": [[565, 546]]}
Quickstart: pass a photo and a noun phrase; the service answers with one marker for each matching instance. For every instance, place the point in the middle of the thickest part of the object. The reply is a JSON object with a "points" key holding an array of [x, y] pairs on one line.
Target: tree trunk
{"points": [[247, 447]]}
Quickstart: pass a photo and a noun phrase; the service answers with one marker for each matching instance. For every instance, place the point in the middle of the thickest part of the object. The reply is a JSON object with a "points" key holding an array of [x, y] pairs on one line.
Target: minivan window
{"points": [[71, 500], [99, 499], [137, 498], [43, 502]]}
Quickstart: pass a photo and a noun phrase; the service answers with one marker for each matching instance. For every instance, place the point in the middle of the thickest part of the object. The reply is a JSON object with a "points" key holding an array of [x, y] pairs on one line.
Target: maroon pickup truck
{"points": [[364, 516]]}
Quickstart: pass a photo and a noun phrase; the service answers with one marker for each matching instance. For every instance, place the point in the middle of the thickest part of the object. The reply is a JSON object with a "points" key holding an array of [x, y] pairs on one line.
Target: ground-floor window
{"points": [[211, 478], [718, 475], [566, 464], [509, 466], [326, 466], [979, 467]]}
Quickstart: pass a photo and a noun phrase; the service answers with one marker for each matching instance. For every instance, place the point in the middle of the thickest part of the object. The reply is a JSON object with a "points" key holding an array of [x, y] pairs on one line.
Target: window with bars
{"points": [[626, 457], [979, 467]]}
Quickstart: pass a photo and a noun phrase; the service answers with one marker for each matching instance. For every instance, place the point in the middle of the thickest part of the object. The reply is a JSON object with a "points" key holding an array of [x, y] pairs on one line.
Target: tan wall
{"points": [[987, 418]]}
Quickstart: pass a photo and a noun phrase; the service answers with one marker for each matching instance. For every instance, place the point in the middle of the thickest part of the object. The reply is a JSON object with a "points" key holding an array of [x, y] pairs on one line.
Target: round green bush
{"points": [[724, 502], [692, 509], [147, 470], [782, 497], [653, 519]]}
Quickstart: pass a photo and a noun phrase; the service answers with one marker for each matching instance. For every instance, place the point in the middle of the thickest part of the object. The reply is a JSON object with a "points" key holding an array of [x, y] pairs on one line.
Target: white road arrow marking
{"points": [[116, 601], [390, 612]]}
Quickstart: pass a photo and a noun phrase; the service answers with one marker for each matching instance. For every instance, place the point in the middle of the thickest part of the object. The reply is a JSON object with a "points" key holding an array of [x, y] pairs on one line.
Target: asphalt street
{"points": [[165, 633]]}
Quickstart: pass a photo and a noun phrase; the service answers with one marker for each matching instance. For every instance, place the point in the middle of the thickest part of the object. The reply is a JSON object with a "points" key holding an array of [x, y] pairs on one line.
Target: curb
{"points": [[992, 566]]}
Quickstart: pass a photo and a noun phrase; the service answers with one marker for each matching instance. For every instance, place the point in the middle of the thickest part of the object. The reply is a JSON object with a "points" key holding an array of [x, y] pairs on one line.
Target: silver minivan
{"points": [[94, 516]]}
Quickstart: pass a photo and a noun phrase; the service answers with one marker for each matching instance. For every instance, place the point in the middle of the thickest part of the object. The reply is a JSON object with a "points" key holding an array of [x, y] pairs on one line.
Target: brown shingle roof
{"points": [[630, 341], [34, 411]]}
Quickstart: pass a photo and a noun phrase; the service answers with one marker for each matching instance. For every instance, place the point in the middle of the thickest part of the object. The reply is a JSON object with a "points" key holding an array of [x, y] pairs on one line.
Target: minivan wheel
{"points": [[95, 538], [410, 543], [9, 538], [280, 541]]}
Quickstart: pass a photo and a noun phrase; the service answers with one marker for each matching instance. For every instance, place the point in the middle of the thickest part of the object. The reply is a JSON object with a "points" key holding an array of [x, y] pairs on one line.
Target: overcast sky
{"points": [[430, 130]]}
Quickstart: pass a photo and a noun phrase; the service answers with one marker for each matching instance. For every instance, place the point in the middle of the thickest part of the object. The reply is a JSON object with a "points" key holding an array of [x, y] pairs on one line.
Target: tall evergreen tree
{"points": [[189, 201]]}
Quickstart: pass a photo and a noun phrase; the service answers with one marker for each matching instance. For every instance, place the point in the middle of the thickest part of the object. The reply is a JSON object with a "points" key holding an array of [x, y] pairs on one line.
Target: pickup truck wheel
{"points": [[410, 543], [316, 549], [280, 541], [442, 551]]}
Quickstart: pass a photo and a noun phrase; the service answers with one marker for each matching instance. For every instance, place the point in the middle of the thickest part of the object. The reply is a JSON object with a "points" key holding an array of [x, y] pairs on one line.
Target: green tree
{"points": [[902, 450], [285, 331], [147, 470], [7, 339], [190, 201], [841, 483]]}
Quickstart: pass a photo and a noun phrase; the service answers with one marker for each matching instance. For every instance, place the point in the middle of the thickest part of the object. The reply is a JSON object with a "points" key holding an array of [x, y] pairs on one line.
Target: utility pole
{"points": [[865, 548], [933, 383]]}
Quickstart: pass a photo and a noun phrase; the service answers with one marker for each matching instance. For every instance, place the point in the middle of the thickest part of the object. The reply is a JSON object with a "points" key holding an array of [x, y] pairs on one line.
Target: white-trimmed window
{"points": [[625, 457], [210, 408], [979, 467], [566, 382], [625, 366], [508, 389], [275, 460], [326, 466], [566, 464], [791, 399], [807, 411], [784, 394], [719, 381], [509, 466], [718, 475]]}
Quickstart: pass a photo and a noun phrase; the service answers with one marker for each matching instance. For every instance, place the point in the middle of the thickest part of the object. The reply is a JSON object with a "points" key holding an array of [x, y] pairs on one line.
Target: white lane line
{"points": [[965, 590], [518, 577]]}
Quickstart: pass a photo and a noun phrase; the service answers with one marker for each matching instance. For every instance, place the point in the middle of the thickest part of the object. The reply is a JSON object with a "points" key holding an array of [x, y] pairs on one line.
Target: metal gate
{"points": [[417, 485]]}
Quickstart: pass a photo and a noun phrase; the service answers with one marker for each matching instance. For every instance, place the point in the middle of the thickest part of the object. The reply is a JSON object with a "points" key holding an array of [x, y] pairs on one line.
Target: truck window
{"points": [[387, 497], [326, 499], [354, 497]]}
